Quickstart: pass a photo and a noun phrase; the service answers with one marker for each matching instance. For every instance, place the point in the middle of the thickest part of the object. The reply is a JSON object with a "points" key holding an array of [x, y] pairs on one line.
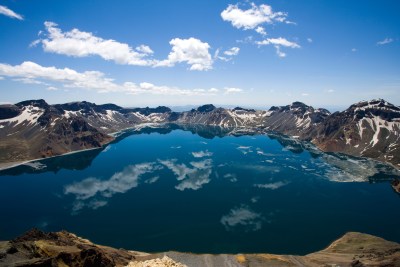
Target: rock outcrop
{"points": [[368, 129], [36, 248]]}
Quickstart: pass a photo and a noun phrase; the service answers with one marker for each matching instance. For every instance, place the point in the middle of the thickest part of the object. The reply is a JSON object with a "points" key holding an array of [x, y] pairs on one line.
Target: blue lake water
{"points": [[200, 191]]}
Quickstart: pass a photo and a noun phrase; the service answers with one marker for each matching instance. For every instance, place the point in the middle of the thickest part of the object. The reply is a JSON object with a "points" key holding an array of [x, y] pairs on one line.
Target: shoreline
{"points": [[10, 165], [115, 135]]}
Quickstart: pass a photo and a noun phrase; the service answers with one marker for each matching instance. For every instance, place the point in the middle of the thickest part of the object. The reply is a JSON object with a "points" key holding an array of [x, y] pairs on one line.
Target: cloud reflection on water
{"points": [[88, 191], [242, 216], [191, 177]]}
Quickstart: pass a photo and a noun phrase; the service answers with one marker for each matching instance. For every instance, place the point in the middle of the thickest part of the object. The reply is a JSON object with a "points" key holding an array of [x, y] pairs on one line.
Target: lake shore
{"points": [[9, 165]]}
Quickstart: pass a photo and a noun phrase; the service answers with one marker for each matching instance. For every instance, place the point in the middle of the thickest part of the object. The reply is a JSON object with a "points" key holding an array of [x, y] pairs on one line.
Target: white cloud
{"points": [[145, 87], [256, 16], [290, 22], [305, 94], [246, 40], [242, 216], [27, 80], [78, 43], [9, 13], [1, 78], [309, 40], [69, 77], [279, 52], [35, 43], [52, 88], [30, 72], [231, 90], [82, 44], [385, 41], [261, 30], [330, 90], [278, 41], [229, 54], [234, 51], [354, 50], [252, 17], [271, 186], [192, 51], [144, 49]]}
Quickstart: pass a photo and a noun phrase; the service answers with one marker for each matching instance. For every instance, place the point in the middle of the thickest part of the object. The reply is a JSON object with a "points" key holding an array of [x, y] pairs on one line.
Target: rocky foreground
{"points": [[36, 248]]}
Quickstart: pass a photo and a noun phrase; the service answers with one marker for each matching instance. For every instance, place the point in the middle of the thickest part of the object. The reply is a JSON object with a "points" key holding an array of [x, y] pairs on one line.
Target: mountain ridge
{"points": [[34, 129]]}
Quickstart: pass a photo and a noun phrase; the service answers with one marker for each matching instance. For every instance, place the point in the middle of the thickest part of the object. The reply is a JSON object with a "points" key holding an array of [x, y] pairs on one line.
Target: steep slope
{"points": [[210, 115], [111, 118], [34, 129], [296, 119], [369, 129], [39, 130], [36, 248]]}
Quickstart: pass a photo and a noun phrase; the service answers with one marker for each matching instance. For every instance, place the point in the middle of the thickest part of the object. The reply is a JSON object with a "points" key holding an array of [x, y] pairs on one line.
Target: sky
{"points": [[330, 53]]}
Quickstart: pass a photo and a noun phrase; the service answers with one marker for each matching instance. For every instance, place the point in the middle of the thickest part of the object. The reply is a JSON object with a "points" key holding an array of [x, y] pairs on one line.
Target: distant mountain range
{"points": [[34, 129]]}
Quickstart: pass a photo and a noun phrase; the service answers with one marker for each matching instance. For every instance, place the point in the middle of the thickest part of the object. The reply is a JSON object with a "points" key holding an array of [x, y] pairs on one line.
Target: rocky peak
{"points": [[8, 111], [206, 108], [323, 111], [147, 111], [298, 104], [298, 108], [109, 107], [373, 108], [76, 106], [39, 103], [243, 109], [274, 108]]}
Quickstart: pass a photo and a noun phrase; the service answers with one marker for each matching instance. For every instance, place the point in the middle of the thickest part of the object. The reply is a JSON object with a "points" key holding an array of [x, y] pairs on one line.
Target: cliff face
{"points": [[36, 248], [296, 119], [369, 129], [34, 129]]}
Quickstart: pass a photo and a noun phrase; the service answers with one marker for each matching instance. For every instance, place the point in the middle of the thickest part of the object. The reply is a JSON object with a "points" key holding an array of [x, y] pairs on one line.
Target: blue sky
{"points": [[248, 53]]}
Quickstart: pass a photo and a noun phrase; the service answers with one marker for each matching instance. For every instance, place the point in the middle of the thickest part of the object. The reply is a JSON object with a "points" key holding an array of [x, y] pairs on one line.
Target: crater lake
{"points": [[202, 190]]}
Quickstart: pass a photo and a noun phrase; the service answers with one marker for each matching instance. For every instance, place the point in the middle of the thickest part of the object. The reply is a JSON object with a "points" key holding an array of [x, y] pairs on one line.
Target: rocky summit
{"points": [[37, 248], [368, 129], [34, 129]]}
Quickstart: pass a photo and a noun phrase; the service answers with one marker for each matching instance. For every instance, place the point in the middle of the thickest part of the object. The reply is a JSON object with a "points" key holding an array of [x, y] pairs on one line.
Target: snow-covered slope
{"points": [[40, 130], [369, 129], [226, 118], [296, 119], [34, 129]]}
